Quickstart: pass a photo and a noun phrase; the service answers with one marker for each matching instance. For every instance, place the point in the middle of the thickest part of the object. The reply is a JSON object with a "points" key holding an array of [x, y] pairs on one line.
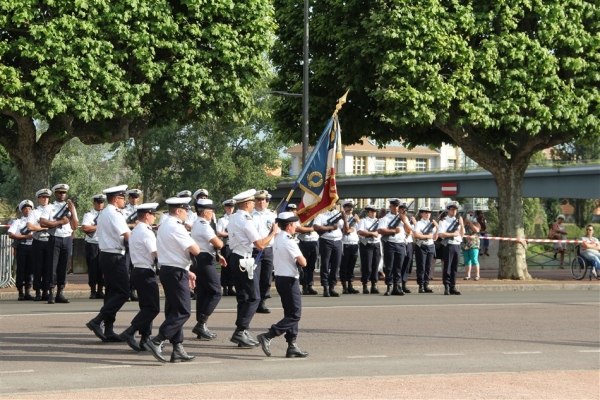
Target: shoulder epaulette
{"points": [[249, 217]]}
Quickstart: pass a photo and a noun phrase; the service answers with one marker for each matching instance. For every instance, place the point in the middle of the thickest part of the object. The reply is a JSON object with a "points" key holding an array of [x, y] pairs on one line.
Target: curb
{"points": [[535, 287]]}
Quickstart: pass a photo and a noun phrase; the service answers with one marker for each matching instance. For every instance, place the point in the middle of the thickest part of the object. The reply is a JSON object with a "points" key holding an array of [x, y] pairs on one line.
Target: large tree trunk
{"points": [[512, 255]]}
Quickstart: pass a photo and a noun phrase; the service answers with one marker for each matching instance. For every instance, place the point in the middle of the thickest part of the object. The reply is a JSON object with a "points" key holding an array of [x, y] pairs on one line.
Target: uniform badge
{"points": [[249, 217], [269, 224]]}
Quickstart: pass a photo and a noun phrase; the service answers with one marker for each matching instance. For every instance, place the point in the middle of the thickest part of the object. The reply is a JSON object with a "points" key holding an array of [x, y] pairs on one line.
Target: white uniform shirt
{"points": [[142, 243], [88, 220], [222, 224], [34, 218], [191, 218], [364, 225], [16, 226], [409, 238], [203, 233], [64, 230], [264, 220], [444, 225], [163, 218], [128, 210], [242, 233], [308, 237], [172, 242], [331, 235], [285, 251], [419, 227], [352, 237], [111, 228], [397, 237]]}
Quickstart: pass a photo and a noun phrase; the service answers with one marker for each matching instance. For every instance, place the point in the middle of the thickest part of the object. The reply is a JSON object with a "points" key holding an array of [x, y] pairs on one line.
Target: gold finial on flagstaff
{"points": [[340, 103]]}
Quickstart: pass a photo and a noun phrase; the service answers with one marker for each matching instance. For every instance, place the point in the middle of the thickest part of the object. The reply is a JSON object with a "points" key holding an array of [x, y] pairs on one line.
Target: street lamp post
{"points": [[305, 71]]}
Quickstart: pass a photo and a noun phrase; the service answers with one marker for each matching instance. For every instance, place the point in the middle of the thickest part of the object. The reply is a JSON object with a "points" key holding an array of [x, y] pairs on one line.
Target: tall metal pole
{"points": [[305, 89]]}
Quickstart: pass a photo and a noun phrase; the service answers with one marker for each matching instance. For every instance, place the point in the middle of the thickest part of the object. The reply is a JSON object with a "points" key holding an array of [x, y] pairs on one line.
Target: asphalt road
{"points": [[46, 349]]}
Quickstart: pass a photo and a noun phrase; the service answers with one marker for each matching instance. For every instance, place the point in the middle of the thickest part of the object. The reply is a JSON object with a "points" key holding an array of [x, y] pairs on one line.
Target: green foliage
{"points": [[492, 217], [533, 213], [497, 73], [104, 59], [90, 169], [9, 183], [223, 158]]}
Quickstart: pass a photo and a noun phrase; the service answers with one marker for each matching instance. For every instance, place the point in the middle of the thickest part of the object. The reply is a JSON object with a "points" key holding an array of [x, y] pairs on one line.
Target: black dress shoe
{"points": [[179, 354], [128, 336], [265, 343], [294, 352], [262, 308], [97, 329], [365, 289], [325, 291], [45, 295], [243, 339], [332, 292], [351, 289], [202, 332], [428, 289], [112, 337], [93, 295], [312, 291], [60, 298], [446, 290], [231, 291], [454, 291], [133, 296], [397, 290], [388, 291], [153, 346], [374, 289], [421, 289], [405, 289], [100, 294]]}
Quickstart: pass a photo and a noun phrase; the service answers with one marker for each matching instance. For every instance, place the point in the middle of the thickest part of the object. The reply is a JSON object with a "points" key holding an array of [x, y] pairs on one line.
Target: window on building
{"points": [[451, 164], [400, 164], [421, 164], [380, 203], [379, 164], [359, 165]]}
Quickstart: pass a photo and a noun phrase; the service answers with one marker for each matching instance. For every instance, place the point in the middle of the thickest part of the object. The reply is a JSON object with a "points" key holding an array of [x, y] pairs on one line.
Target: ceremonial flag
{"points": [[317, 178]]}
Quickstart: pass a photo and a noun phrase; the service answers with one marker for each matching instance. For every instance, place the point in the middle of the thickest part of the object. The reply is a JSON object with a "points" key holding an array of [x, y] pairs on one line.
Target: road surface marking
{"points": [[110, 366], [16, 372], [521, 352], [199, 362], [284, 359], [588, 351]]}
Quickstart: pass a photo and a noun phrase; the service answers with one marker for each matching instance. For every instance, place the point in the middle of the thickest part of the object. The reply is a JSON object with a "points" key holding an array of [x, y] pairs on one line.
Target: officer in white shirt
{"points": [[165, 215], [264, 219], [309, 246], [60, 243], [130, 214], [287, 257], [89, 224], [192, 216], [19, 232], [425, 233], [41, 256], [227, 280], [350, 249], [243, 236], [451, 228], [143, 253], [370, 249], [408, 258], [393, 229], [208, 287], [332, 226], [112, 232], [174, 245]]}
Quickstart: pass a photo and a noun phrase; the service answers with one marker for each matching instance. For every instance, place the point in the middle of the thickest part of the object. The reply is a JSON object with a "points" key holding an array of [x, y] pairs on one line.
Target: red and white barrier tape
{"points": [[532, 240]]}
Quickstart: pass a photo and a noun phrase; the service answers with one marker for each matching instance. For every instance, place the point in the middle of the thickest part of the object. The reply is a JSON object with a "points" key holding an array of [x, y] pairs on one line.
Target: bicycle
{"points": [[580, 265]]}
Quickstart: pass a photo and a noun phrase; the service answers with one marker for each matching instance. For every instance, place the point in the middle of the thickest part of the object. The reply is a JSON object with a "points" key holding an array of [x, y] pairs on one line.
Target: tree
{"points": [[502, 80], [104, 71]]}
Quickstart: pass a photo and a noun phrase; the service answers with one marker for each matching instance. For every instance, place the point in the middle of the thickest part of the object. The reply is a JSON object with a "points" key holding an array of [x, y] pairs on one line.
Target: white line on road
{"points": [[445, 355], [588, 351], [367, 357], [16, 372], [283, 359], [200, 362], [110, 366], [521, 352]]}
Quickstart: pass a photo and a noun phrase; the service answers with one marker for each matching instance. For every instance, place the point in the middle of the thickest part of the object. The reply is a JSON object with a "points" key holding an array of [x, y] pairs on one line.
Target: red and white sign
{"points": [[449, 189]]}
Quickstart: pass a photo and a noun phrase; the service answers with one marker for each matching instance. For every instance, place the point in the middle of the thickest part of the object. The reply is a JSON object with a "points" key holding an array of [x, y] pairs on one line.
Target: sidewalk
{"points": [[543, 279]]}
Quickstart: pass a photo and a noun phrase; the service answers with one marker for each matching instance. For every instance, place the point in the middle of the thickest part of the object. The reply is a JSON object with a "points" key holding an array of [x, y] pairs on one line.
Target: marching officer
{"points": [[451, 228], [181, 195], [264, 219], [370, 249], [408, 259], [130, 214], [22, 235], [287, 257], [41, 256], [227, 281], [112, 231], [330, 248], [143, 253], [425, 233], [350, 249], [192, 216], [174, 245], [394, 245], [208, 286], [89, 226], [309, 246], [60, 243], [243, 235]]}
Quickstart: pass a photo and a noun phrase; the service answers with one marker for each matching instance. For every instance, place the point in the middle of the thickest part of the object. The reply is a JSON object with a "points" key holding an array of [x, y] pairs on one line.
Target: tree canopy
{"points": [[502, 80], [105, 70]]}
